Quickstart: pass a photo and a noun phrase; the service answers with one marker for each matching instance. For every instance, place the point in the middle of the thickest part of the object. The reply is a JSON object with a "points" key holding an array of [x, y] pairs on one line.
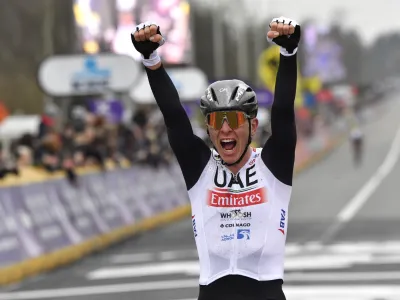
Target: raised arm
{"points": [[191, 152], [278, 153]]}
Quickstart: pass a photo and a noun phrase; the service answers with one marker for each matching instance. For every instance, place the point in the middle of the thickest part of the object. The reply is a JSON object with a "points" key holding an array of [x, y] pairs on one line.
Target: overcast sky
{"points": [[370, 18]]}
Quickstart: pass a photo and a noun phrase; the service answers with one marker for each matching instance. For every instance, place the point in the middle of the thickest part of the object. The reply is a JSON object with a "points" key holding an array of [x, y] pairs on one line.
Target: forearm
{"points": [[167, 99], [279, 151], [286, 83]]}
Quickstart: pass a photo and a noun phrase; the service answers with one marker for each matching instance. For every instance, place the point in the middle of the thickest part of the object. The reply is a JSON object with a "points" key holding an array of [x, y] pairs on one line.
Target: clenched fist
{"points": [[146, 39], [286, 33], [147, 32]]}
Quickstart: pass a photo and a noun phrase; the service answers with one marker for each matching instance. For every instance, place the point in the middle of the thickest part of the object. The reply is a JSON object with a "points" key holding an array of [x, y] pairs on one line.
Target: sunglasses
{"points": [[234, 118]]}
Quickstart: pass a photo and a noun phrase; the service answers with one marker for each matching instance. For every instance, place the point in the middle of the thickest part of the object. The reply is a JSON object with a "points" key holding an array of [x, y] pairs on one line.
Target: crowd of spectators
{"points": [[92, 140], [86, 142]]}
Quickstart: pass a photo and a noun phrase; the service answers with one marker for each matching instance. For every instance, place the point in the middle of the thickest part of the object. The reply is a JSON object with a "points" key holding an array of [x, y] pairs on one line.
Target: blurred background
{"points": [[79, 127]]}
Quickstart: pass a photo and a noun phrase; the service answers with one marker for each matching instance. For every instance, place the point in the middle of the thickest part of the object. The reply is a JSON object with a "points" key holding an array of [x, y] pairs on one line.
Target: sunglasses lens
{"points": [[234, 118]]}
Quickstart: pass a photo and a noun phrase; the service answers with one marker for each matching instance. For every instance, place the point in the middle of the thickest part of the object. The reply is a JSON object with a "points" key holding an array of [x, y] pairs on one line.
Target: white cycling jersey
{"points": [[240, 222]]}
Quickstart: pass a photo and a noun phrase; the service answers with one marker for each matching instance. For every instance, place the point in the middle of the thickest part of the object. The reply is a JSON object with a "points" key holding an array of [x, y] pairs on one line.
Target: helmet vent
{"points": [[251, 100], [234, 93], [214, 95]]}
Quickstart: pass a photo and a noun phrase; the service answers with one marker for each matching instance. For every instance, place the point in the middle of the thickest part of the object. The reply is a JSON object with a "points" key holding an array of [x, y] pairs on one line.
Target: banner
{"points": [[40, 218], [190, 83], [74, 75], [12, 248]]}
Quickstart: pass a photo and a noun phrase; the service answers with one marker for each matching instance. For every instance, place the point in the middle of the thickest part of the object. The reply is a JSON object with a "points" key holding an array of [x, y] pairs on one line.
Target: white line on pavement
{"points": [[132, 258], [356, 203], [356, 292], [374, 277]]}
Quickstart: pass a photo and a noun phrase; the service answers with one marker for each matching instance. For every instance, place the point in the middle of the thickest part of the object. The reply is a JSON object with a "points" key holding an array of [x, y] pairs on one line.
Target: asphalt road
{"points": [[343, 238]]}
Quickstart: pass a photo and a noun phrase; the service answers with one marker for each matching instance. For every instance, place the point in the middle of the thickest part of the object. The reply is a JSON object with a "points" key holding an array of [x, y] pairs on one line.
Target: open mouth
{"points": [[228, 144]]}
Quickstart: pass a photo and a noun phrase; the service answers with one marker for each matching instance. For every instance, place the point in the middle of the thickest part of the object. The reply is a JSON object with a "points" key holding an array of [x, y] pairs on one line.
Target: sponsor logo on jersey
{"points": [[240, 198], [194, 226], [248, 179], [230, 225], [282, 222], [235, 214], [243, 234], [227, 237]]}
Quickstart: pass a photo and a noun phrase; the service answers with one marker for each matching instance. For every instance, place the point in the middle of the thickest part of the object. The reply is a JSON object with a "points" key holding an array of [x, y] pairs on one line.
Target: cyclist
{"points": [[357, 144], [241, 254]]}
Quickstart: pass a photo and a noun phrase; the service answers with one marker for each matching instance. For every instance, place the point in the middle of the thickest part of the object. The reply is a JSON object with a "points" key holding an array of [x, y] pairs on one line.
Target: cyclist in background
{"points": [[357, 144]]}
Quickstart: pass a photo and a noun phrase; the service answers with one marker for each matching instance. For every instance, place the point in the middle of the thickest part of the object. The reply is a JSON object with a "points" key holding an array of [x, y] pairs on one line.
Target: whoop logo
{"points": [[227, 198]]}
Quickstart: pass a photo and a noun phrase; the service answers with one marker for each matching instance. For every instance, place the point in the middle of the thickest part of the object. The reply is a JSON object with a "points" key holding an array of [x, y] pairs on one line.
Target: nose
{"points": [[225, 127]]}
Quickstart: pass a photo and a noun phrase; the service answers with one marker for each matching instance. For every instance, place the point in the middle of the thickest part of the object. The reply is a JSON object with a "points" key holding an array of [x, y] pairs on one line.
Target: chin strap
{"points": [[243, 154]]}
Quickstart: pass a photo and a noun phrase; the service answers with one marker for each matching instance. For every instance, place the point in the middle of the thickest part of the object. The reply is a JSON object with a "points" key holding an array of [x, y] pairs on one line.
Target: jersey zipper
{"points": [[234, 254], [233, 265], [233, 258]]}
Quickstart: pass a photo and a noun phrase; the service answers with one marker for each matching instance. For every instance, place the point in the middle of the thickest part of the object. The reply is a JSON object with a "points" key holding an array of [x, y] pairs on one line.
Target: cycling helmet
{"points": [[229, 95]]}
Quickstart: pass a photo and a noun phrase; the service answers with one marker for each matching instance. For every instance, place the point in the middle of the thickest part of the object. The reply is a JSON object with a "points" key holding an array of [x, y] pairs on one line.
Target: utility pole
{"points": [[218, 43], [48, 27]]}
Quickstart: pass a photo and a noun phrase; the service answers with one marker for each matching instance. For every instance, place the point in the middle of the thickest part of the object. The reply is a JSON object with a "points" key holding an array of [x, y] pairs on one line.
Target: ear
{"points": [[254, 126]]}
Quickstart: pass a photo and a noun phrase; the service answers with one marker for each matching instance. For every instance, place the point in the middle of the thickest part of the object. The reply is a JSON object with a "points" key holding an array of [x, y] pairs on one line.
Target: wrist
{"points": [[152, 61], [284, 52], [155, 67]]}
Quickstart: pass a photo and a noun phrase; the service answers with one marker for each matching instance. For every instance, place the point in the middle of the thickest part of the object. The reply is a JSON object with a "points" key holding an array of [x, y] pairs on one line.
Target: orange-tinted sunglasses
{"points": [[234, 118]]}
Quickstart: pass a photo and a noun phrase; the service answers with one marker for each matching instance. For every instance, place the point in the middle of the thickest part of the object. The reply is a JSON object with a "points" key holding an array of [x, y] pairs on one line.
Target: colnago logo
{"points": [[242, 198], [230, 225], [194, 226], [282, 223], [236, 214]]}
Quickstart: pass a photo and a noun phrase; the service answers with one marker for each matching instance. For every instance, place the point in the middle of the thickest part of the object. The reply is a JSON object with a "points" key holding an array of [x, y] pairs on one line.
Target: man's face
{"points": [[231, 143]]}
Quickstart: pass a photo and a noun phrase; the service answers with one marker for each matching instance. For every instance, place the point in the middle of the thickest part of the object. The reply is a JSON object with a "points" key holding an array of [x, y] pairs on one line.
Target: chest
{"points": [[225, 190], [222, 178]]}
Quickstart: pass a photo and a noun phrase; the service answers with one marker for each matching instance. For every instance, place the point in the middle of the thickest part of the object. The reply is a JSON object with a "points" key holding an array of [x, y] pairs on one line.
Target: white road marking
{"points": [[356, 203], [313, 292], [365, 247], [291, 249], [154, 269], [176, 254], [132, 258], [101, 289], [149, 256], [310, 261], [374, 277]]}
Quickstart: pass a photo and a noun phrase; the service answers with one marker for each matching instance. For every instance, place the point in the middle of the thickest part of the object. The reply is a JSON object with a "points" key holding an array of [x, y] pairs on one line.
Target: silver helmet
{"points": [[229, 95]]}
